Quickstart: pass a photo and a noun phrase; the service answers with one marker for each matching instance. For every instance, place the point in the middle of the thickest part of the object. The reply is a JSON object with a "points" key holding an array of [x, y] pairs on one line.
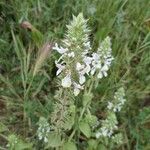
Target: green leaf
{"points": [[68, 123], [85, 128], [24, 146], [102, 147], [54, 140], [16, 143], [91, 119], [92, 144], [69, 146]]}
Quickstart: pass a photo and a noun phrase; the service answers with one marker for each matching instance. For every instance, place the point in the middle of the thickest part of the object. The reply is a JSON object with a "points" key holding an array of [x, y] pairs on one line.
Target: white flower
{"points": [[118, 102], [87, 60], [76, 91], [105, 68], [77, 88], [81, 79], [86, 70], [82, 70], [79, 66], [110, 105], [96, 63], [103, 71], [87, 44], [93, 71], [104, 131], [60, 50], [76, 46], [96, 57], [101, 60], [109, 125], [100, 75], [60, 68], [71, 54], [98, 134], [43, 129], [66, 81], [45, 139]]}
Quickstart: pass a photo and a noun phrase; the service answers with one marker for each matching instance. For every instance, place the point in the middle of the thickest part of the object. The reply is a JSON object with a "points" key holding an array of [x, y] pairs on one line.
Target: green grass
{"points": [[24, 98]]}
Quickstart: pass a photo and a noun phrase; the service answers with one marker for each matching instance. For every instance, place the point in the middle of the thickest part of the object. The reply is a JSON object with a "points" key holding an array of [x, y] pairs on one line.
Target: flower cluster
{"points": [[117, 138], [102, 59], [108, 126], [118, 102], [43, 129], [76, 61]]}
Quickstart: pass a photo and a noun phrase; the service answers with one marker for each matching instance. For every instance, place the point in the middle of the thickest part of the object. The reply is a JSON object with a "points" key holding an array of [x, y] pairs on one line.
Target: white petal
{"points": [[71, 54], [77, 86], [86, 70], [60, 68], [87, 44], [45, 140], [48, 129], [58, 71], [87, 60], [76, 91], [95, 56], [66, 81], [56, 46], [115, 109], [100, 75], [98, 134], [98, 65], [105, 68], [110, 105], [104, 131], [60, 50], [93, 71], [105, 73], [79, 66], [110, 133], [81, 79]]}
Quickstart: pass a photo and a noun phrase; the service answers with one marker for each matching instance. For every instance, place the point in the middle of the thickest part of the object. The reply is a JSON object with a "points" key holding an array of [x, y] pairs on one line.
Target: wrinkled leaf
{"points": [[92, 144], [85, 128], [54, 140], [69, 146]]}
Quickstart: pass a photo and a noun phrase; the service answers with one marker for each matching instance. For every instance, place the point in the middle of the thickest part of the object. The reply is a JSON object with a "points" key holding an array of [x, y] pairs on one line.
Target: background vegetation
{"points": [[24, 98]]}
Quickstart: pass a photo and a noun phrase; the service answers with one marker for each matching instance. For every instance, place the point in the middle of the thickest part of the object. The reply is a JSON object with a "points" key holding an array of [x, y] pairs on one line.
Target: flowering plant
{"points": [[77, 61], [78, 71]]}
